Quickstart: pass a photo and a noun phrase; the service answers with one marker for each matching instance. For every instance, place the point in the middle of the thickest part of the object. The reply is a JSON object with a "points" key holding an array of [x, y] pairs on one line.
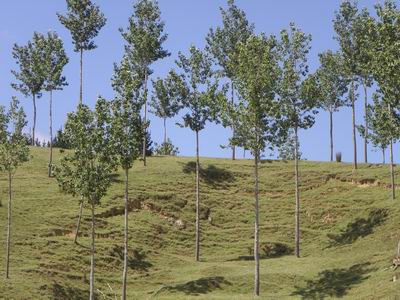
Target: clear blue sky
{"points": [[187, 22]]}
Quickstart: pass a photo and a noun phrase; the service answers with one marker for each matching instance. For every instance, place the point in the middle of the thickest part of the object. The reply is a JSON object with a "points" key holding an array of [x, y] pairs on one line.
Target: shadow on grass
{"points": [[200, 286], [267, 250], [333, 283], [61, 292], [136, 258], [115, 178], [211, 175], [360, 227]]}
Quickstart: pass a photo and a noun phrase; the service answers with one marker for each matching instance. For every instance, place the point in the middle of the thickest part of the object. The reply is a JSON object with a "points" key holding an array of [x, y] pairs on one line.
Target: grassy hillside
{"points": [[350, 229]]}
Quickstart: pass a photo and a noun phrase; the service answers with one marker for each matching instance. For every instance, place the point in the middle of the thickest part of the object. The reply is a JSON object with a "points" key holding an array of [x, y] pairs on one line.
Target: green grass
{"points": [[350, 229]]}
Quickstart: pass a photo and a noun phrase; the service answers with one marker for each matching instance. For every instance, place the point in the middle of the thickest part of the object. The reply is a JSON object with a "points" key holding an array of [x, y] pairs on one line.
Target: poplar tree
{"points": [[296, 103], [54, 60], [126, 135], [86, 171], [166, 101], [13, 152], [223, 44], [331, 87], [344, 25], [145, 38], [84, 20], [31, 74], [199, 93], [256, 81], [383, 129]]}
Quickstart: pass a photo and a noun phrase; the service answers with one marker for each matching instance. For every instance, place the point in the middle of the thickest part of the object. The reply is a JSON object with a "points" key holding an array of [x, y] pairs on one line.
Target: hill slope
{"points": [[349, 233]]}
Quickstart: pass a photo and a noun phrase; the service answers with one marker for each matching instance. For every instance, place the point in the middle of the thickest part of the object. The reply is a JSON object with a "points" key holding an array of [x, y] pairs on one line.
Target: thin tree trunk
{"points": [[78, 224], [165, 131], [145, 118], [197, 198], [233, 126], [331, 132], [244, 152], [383, 156], [51, 133], [81, 75], [366, 123], [125, 272], [297, 194], [256, 228], [354, 126], [9, 225], [92, 260], [392, 170], [34, 120]]}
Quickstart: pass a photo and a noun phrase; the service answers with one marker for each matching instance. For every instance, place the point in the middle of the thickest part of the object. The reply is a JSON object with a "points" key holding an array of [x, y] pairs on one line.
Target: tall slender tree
{"points": [[297, 106], [31, 74], [223, 44], [55, 59], [166, 101], [145, 38], [364, 60], [84, 20], [13, 152], [86, 171], [126, 135], [344, 25], [199, 93], [256, 81], [331, 87], [383, 129]]}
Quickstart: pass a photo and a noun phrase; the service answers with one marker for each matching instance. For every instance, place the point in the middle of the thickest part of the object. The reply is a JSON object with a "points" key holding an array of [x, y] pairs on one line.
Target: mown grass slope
{"points": [[350, 229]]}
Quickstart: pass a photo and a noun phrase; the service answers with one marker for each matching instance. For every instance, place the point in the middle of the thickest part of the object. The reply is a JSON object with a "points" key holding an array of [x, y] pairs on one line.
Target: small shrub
{"points": [[166, 148], [338, 157]]}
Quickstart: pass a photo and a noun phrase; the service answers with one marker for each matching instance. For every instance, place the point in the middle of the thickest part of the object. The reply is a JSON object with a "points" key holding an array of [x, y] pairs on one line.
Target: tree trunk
{"points": [[256, 228], [233, 126], [81, 83], [331, 132], [354, 126], [297, 195], [51, 134], [165, 131], [92, 261], [78, 225], [197, 198], [366, 123], [9, 225], [244, 152], [392, 170], [383, 156], [145, 118], [125, 272], [34, 120]]}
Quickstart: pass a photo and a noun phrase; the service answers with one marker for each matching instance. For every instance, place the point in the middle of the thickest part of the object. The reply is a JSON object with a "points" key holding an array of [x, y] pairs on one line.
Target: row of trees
{"points": [[260, 86]]}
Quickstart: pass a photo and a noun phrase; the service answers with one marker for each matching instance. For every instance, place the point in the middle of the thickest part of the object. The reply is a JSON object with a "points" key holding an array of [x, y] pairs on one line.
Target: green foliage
{"points": [[54, 61], [31, 74], [166, 149], [297, 99], [86, 171], [197, 89], [331, 82], [84, 20], [286, 151], [13, 148], [60, 140], [145, 34], [256, 82], [383, 125], [127, 131], [223, 42], [166, 101]]}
